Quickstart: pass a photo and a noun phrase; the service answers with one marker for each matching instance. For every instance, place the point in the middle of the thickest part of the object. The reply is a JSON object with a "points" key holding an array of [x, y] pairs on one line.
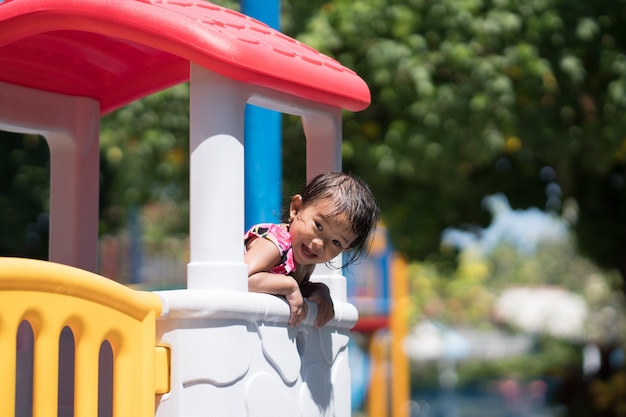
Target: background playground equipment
{"points": [[217, 348], [378, 287]]}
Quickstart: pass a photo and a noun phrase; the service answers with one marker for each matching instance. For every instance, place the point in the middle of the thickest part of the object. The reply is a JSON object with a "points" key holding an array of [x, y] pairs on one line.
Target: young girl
{"points": [[334, 213]]}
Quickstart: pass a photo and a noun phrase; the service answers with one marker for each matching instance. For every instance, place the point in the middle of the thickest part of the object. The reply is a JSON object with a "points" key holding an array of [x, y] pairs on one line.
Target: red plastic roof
{"points": [[117, 51]]}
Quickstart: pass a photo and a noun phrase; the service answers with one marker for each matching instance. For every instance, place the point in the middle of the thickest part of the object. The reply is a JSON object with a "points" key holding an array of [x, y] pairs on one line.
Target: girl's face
{"points": [[317, 235]]}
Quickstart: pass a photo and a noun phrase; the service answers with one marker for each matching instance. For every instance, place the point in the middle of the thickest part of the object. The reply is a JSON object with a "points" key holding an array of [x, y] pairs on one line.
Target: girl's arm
{"points": [[277, 284], [261, 255]]}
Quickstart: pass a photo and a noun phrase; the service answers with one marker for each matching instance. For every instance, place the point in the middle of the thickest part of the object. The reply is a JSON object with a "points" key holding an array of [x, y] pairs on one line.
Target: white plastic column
{"points": [[71, 127], [216, 182], [323, 153], [323, 142]]}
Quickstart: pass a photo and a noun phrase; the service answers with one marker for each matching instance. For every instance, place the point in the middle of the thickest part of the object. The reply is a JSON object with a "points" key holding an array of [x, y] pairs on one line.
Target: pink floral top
{"points": [[279, 235]]}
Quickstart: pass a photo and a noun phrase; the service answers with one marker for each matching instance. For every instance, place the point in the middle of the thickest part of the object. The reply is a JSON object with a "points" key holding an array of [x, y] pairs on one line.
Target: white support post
{"points": [[323, 142], [323, 153], [216, 182], [71, 128], [74, 189]]}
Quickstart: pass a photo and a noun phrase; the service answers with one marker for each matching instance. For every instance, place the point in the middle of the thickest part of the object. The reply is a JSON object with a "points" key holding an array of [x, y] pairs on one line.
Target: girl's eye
{"points": [[318, 226], [337, 243]]}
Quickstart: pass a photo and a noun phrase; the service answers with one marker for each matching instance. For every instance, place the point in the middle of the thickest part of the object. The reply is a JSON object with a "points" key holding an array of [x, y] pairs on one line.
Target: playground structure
{"points": [[212, 348]]}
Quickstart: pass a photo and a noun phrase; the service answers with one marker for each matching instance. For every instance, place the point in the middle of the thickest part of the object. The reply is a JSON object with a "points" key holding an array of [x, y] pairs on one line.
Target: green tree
{"points": [[145, 158], [474, 97], [24, 195]]}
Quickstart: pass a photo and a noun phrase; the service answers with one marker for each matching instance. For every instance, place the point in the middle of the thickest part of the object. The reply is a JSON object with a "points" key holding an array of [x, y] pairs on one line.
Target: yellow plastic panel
{"points": [[50, 297], [162, 370]]}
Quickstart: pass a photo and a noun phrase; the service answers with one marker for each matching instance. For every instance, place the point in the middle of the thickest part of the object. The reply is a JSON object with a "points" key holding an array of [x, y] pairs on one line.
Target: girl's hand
{"points": [[297, 306], [320, 295]]}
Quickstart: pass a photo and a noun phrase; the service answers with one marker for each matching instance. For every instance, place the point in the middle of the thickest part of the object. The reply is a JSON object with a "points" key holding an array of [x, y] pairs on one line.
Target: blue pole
{"points": [[263, 139]]}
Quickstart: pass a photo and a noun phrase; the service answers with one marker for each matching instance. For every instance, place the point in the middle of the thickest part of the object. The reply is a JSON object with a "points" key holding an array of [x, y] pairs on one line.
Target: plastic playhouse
{"points": [[73, 343]]}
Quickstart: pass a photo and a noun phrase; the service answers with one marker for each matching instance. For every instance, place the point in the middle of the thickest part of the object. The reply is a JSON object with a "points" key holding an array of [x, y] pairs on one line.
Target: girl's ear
{"points": [[295, 207]]}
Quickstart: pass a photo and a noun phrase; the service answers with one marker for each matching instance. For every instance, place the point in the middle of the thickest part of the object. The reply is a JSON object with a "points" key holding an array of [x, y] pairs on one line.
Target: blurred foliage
{"points": [[548, 359], [24, 195], [475, 97], [466, 295], [145, 160]]}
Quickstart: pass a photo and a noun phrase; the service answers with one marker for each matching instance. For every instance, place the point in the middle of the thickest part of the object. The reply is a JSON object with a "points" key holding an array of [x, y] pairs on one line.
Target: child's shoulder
{"points": [[266, 229], [276, 233]]}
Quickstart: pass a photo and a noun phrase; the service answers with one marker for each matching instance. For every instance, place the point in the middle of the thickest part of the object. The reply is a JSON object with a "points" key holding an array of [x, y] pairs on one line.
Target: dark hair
{"points": [[351, 197]]}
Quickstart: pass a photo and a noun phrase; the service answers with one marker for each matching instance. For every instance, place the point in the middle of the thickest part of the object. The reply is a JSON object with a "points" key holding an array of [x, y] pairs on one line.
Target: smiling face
{"points": [[318, 234]]}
